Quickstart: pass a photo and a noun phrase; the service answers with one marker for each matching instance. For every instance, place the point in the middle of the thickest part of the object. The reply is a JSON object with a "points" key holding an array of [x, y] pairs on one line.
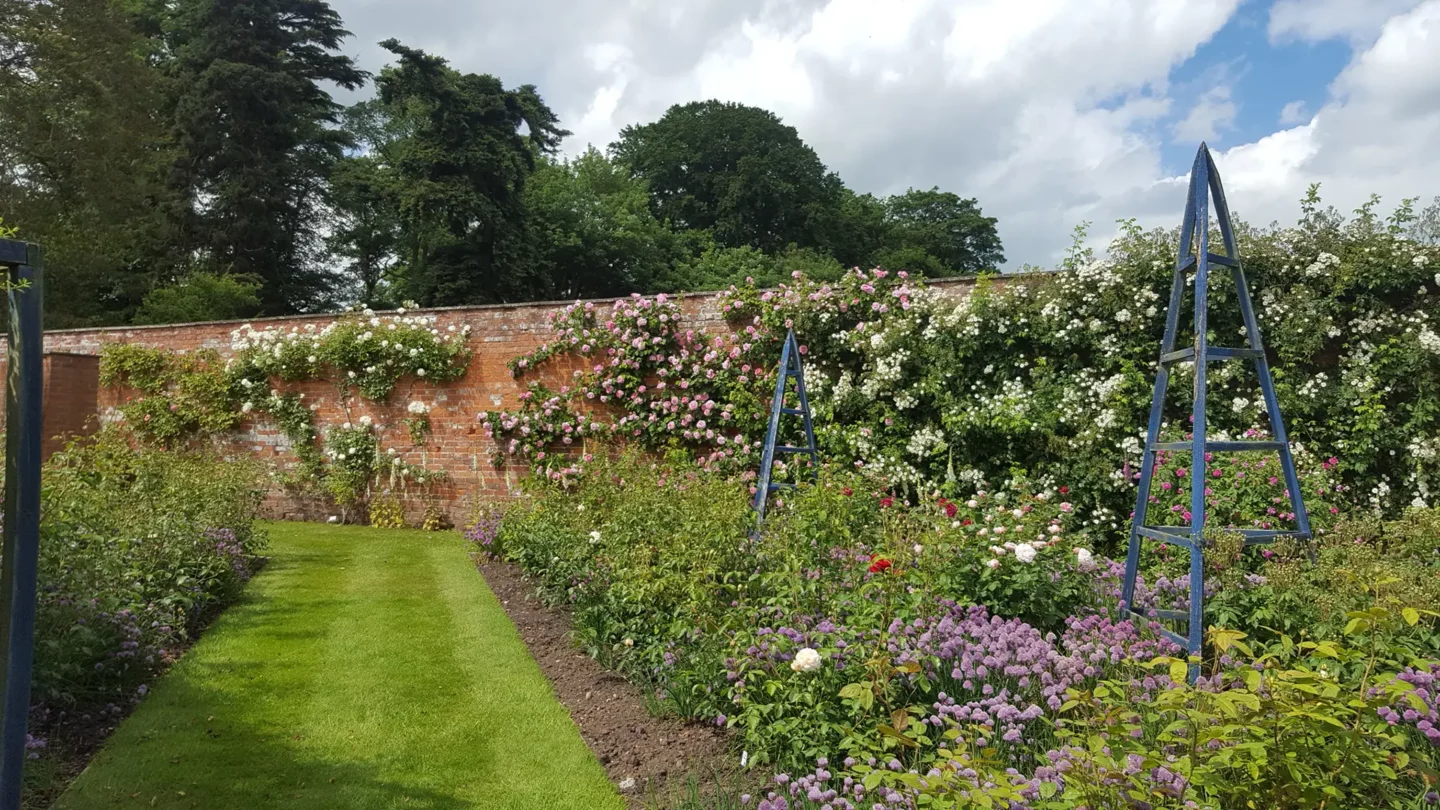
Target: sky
{"points": [[1049, 112]]}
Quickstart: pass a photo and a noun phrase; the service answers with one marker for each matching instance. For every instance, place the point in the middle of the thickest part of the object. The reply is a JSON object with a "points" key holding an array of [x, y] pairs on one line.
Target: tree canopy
{"points": [[734, 170], [186, 159]]}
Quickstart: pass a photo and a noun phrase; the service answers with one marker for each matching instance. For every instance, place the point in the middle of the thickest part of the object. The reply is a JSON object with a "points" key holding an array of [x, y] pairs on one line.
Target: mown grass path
{"points": [[364, 669]]}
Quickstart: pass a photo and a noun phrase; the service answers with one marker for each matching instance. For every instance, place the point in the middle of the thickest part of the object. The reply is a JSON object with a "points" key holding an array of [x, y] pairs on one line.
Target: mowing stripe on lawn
{"points": [[366, 668]]}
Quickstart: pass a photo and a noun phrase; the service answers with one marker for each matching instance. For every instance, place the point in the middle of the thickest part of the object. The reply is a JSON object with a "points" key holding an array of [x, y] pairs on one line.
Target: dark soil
{"points": [[651, 758]]}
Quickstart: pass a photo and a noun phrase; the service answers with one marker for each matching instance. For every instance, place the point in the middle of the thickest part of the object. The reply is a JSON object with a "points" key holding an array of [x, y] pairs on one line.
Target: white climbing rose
{"points": [[1025, 553]]}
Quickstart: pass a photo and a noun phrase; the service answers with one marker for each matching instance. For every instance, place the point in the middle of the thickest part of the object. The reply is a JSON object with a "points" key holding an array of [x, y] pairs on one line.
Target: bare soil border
{"points": [[647, 757]]}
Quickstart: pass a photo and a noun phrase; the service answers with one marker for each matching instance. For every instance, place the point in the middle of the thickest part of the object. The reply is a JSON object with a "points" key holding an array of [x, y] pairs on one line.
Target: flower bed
{"points": [[965, 650], [139, 548]]}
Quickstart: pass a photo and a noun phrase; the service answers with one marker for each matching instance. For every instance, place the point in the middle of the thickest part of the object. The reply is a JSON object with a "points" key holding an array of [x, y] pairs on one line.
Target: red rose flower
{"points": [[879, 566], [950, 509], [966, 522], [886, 501], [847, 492], [1064, 490]]}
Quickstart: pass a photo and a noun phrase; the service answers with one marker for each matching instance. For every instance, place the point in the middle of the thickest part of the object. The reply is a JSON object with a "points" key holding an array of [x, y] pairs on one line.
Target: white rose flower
{"points": [[366, 420], [807, 660], [993, 564], [247, 407], [1025, 553], [1083, 556], [595, 536]]}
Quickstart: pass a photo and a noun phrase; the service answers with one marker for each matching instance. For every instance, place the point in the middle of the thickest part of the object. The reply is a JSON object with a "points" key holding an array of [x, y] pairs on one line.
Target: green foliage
{"points": [[255, 129], [354, 456], [387, 512], [1362, 563], [155, 147], [593, 230], [138, 547], [936, 234], [83, 154], [297, 422], [201, 297], [845, 631], [459, 173], [717, 268], [653, 562], [734, 170], [1279, 729], [367, 229], [182, 397]]}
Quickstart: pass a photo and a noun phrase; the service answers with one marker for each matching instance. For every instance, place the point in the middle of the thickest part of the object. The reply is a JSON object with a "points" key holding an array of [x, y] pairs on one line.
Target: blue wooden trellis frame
{"points": [[1204, 183], [790, 368], [22, 266]]}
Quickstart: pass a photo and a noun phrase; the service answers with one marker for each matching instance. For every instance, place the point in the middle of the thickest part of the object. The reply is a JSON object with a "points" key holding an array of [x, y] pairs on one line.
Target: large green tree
{"points": [[737, 171], [83, 154], [461, 166], [937, 233], [594, 233], [366, 233], [255, 127]]}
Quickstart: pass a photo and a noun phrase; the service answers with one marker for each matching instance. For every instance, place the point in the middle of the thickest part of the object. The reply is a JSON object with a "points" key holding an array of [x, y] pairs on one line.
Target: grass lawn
{"points": [[366, 668]]}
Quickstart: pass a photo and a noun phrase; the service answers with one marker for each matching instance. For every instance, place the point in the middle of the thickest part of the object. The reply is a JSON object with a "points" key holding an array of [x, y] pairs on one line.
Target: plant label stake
{"points": [[1194, 253], [24, 276], [790, 368]]}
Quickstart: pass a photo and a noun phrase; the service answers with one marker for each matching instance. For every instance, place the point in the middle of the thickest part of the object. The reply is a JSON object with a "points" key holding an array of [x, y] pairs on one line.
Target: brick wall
{"points": [[456, 444], [70, 399]]}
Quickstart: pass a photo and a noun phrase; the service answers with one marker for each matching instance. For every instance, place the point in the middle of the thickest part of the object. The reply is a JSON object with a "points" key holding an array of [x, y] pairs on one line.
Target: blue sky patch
{"points": [[1262, 78]]}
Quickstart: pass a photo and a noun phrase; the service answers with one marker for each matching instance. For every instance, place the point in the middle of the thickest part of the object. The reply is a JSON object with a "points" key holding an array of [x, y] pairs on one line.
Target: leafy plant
{"points": [[182, 397]]}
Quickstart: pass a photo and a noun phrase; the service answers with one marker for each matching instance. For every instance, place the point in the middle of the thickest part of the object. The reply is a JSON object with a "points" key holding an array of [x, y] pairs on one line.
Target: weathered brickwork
{"points": [[456, 444]]}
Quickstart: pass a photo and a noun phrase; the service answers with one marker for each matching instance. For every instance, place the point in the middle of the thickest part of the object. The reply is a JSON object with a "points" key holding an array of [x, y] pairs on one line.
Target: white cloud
{"points": [[1050, 115], [1315, 20], [1293, 113], [1375, 135], [1211, 114]]}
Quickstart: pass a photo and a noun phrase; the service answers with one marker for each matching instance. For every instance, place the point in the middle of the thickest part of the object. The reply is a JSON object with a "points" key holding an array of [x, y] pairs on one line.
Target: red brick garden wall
{"points": [[456, 444]]}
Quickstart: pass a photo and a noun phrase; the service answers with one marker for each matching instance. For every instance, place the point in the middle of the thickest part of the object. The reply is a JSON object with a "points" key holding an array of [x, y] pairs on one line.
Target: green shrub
{"points": [[182, 398], [139, 546]]}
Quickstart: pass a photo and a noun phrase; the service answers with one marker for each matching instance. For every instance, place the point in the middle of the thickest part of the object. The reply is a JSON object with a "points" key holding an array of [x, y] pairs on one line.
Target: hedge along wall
{"points": [[456, 445]]}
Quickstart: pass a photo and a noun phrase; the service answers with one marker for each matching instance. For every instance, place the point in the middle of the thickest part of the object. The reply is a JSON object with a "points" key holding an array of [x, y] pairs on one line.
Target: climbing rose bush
{"points": [[363, 350], [1049, 374]]}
